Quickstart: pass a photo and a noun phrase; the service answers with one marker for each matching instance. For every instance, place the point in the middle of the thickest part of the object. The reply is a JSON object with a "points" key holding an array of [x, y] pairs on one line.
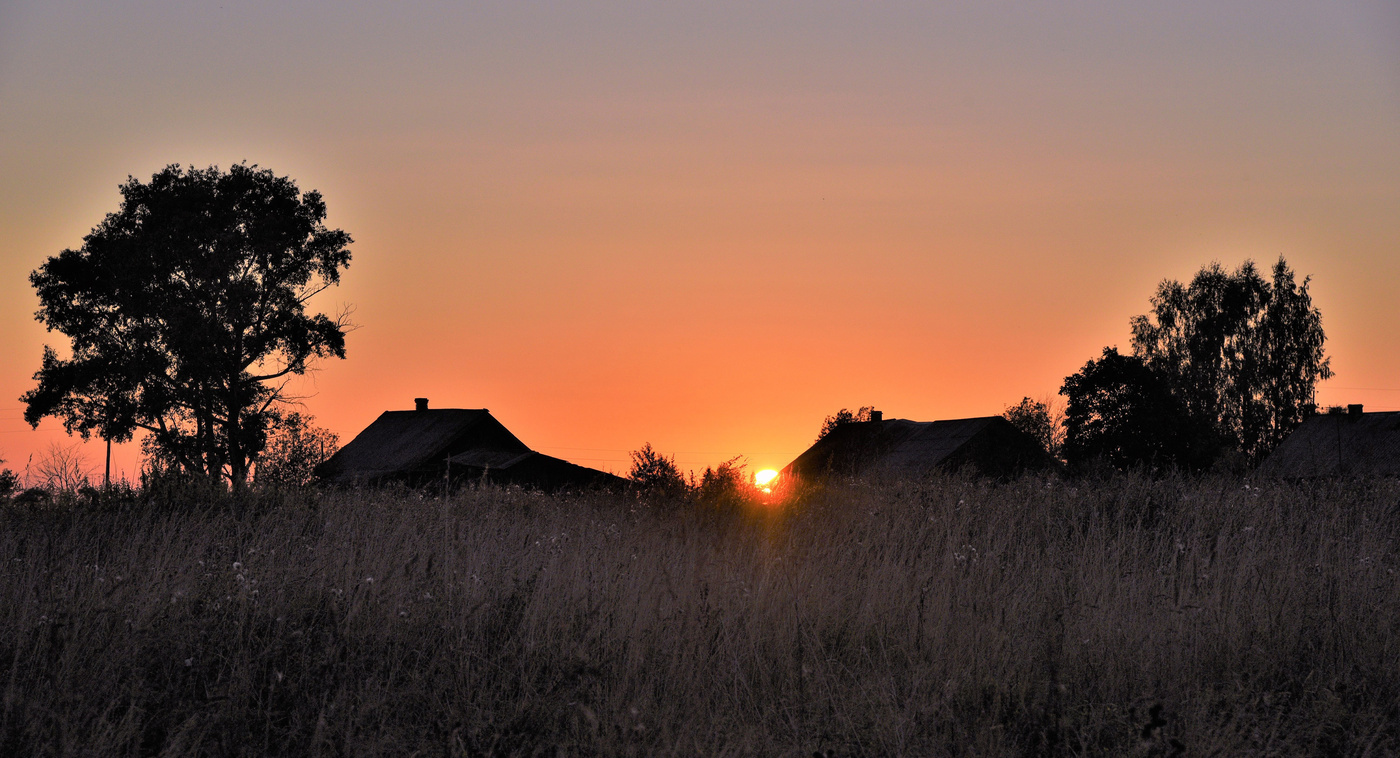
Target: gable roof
{"points": [[528, 468], [1361, 444], [916, 448], [405, 444]]}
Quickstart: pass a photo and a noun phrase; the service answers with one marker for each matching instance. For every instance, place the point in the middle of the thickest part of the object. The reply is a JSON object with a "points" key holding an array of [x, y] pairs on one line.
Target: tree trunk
{"points": [[237, 461]]}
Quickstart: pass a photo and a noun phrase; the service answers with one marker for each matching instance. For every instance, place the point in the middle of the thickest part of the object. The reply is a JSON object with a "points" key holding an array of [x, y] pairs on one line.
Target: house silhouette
{"points": [[450, 445], [1354, 443], [899, 448]]}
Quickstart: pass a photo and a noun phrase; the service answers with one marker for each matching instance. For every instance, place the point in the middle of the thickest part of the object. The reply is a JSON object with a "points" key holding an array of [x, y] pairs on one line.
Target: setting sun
{"points": [[764, 479]]}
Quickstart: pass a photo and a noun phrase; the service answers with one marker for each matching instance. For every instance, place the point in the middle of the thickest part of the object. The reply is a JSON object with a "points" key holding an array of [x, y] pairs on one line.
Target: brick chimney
{"points": [[420, 403], [1354, 410], [877, 415]]}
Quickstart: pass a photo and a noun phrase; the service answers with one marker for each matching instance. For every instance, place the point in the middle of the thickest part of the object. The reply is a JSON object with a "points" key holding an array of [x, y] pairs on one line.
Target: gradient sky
{"points": [[707, 226]]}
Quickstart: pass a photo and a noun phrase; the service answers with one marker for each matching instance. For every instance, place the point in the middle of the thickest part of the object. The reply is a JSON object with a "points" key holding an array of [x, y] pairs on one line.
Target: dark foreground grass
{"points": [[957, 617]]}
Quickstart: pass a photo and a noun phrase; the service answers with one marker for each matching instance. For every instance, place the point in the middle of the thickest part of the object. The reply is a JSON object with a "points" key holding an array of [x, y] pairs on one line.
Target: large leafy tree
{"points": [[187, 314], [1242, 352], [1122, 412]]}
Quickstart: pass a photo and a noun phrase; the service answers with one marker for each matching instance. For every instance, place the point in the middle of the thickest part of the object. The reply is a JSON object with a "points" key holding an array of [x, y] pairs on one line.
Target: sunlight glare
{"points": [[765, 478]]}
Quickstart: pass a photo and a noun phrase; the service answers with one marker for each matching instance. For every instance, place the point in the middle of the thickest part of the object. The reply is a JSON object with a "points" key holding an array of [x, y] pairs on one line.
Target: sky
{"points": [[709, 225]]}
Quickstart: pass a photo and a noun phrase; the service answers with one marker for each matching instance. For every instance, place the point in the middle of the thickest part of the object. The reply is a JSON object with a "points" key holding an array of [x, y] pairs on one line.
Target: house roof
{"points": [[405, 443], [489, 459], [1361, 444], [902, 447], [530, 467]]}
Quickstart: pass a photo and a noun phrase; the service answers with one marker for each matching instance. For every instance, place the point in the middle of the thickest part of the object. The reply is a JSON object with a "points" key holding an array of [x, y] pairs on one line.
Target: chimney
{"points": [[877, 415], [420, 403], [1354, 410]]}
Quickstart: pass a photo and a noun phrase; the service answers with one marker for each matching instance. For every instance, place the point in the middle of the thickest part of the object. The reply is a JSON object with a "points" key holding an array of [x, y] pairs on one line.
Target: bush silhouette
{"points": [[844, 416], [656, 474]]}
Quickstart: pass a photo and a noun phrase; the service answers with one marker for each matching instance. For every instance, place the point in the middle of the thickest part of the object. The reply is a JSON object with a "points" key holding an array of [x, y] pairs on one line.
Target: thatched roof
{"points": [[1352, 444], [899, 447], [410, 445]]}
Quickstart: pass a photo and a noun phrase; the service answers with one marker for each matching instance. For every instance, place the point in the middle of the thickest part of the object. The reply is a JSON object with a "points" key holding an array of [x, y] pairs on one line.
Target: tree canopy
{"points": [[656, 473], [1034, 417], [295, 447], [1122, 412], [1241, 352], [187, 313], [1225, 365]]}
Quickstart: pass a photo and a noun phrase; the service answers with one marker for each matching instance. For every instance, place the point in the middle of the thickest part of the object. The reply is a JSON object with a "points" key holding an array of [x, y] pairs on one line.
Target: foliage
{"points": [[9, 482], [656, 474], [295, 447], [1222, 370], [1242, 353], [1123, 412], [726, 483], [844, 416], [187, 313], [1036, 418]]}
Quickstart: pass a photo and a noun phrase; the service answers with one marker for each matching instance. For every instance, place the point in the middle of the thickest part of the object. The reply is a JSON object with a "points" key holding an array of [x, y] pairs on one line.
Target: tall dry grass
{"points": [[955, 617]]}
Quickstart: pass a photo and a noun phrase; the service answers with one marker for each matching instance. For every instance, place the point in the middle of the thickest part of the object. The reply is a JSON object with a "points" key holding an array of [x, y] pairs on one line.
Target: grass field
{"points": [[1123, 616]]}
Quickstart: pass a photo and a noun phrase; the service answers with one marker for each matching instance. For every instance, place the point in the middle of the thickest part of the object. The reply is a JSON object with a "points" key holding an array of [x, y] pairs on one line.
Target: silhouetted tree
{"points": [[1242, 353], [655, 473], [295, 447], [61, 469], [727, 483], [187, 313], [1123, 412], [844, 416], [9, 483], [1034, 417]]}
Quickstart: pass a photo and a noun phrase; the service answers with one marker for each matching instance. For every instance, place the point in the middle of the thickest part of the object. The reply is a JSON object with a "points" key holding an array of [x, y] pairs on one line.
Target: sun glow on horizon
{"points": [[765, 478]]}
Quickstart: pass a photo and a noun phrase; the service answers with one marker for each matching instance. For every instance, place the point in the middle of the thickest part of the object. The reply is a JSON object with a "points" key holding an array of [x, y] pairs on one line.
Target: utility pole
{"points": [[107, 436]]}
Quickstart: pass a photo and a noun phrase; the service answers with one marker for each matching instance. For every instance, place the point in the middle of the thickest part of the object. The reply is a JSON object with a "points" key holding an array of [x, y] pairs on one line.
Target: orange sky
{"points": [[707, 228]]}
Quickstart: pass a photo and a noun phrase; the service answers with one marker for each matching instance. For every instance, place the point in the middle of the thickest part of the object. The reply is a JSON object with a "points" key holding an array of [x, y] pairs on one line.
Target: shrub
{"points": [[726, 484], [295, 447], [1039, 420], [9, 483], [656, 474]]}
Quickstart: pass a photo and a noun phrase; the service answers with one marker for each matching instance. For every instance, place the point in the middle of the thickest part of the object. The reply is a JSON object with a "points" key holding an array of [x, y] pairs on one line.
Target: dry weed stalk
{"points": [[952, 617]]}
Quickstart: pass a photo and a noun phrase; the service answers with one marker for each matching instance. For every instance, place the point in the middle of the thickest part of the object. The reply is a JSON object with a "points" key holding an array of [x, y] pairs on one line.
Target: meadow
{"points": [[1117, 616]]}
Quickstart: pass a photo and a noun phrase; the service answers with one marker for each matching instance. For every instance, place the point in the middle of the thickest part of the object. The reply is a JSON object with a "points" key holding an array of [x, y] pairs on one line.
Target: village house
{"points": [[1353, 443], [900, 448], [450, 446]]}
